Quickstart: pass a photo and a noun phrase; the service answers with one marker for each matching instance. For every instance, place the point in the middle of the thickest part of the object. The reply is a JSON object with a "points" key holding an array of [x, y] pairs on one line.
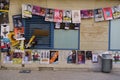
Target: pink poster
{"points": [[107, 13], [36, 10], [58, 15]]}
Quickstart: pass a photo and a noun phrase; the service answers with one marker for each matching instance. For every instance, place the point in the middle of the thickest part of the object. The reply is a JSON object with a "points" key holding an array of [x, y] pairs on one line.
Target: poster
{"points": [[54, 57], [95, 58], [76, 18], [67, 26], [7, 57], [36, 10], [26, 10], [107, 13], [36, 54], [27, 57], [98, 15], [91, 13], [4, 5], [17, 57], [4, 18], [67, 16], [89, 55], [116, 12], [19, 33], [42, 11], [80, 57], [45, 57], [58, 15], [72, 57], [116, 57], [57, 25], [84, 14], [4, 30], [49, 16], [17, 21]]}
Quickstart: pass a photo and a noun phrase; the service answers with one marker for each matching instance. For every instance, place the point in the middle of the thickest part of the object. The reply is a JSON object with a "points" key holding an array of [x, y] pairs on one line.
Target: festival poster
{"points": [[76, 18], [19, 33], [80, 57], [4, 18], [42, 11], [54, 57], [45, 57], [116, 57], [36, 10], [7, 57], [116, 12], [36, 55], [67, 16], [95, 58], [17, 21], [27, 58], [49, 16], [58, 15], [107, 13], [17, 56], [26, 10], [67, 26], [89, 55], [91, 13], [72, 57], [84, 14], [5, 29], [4, 5], [57, 25], [98, 15]]}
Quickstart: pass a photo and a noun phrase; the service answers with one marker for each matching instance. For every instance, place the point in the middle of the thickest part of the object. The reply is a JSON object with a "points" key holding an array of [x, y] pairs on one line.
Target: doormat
{"points": [[25, 71]]}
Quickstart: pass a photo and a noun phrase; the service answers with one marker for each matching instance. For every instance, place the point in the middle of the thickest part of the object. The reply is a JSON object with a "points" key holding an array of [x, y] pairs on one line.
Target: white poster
{"points": [[76, 18]]}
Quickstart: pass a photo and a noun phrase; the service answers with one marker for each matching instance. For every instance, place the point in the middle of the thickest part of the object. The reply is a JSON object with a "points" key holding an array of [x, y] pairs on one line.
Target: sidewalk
{"points": [[57, 75]]}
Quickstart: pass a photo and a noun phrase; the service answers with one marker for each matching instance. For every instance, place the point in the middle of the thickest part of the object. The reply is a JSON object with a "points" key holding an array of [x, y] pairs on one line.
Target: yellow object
{"points": [[13, 41], [29, 43]]}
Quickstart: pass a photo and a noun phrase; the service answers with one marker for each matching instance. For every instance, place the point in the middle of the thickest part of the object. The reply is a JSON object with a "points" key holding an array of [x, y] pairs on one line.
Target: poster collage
{"points": [[64, 19], [70, 19]]}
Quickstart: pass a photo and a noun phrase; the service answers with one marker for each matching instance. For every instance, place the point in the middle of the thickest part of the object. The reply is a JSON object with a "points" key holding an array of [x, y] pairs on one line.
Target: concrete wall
{"points": [[93, 35]]}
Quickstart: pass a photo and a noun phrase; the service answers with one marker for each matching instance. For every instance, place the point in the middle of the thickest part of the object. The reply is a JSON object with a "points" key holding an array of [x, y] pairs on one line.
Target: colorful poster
{"points": [[98, 15], [67, 16], [107, 13], [36, 55], [76, 18], [42, 11], [81, 57], [19, 33], [49, 16], [58, 15], [26, 10], [89, 55], [36, 10], [27, 57], [72, 57], [95, 58], [4, 5], [4, 17], [90, 13], [17, 21], [7, 57], [84, 14], [116, 57], [4, 30], [116, 12], [54, 57], [17, 57], [45, 57]]}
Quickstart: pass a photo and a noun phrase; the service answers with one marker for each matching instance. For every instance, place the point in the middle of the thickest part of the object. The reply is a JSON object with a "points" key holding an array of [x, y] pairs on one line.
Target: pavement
{"points": [[58, 75]]}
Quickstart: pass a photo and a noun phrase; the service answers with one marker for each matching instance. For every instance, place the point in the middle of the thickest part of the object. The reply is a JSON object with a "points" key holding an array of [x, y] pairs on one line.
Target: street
{"points": [[58, 75]]}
